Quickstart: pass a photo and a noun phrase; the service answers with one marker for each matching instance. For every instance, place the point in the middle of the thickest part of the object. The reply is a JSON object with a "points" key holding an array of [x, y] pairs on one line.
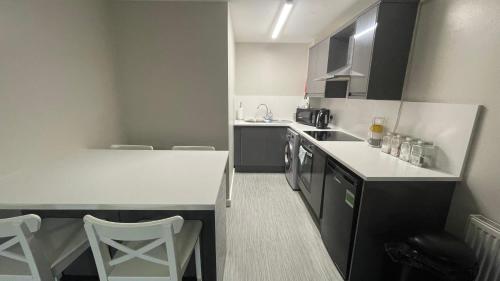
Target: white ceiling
{"points": [[253, 19]]}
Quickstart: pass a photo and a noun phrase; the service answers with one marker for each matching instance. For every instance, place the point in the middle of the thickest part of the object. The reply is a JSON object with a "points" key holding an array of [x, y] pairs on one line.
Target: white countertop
{"points": [[367, 162], [119, 180]]}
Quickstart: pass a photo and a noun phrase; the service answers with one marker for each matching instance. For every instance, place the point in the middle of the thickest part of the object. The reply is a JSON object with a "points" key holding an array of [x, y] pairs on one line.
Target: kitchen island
{"points": [[129, 186]]}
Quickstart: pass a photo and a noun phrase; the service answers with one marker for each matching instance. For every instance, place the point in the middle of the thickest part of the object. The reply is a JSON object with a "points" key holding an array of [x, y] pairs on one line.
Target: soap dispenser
{"points": [[240, 114]]}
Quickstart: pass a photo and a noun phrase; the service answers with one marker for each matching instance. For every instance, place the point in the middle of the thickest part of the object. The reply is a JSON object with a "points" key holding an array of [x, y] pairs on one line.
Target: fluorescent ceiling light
{"points": [[357, 35], [285, 12]]}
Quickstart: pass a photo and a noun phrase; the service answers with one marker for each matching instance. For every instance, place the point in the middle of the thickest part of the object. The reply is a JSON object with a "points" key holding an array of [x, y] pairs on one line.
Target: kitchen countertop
{"points": [[119, 180], [367, 162]]}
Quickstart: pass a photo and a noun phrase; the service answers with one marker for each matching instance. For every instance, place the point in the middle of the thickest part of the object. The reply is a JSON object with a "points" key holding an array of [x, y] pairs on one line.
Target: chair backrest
{"points": [[19, 231], [179, 147], [104, 235], [131, 147]]}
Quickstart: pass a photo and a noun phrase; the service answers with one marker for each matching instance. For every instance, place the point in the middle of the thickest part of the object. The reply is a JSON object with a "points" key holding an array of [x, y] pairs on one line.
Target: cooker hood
{"points": [[342, 73]]}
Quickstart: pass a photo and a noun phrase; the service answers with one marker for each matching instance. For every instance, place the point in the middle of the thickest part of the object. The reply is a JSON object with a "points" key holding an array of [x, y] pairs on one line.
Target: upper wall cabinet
{"points": [[318, 63], [368, 57]]}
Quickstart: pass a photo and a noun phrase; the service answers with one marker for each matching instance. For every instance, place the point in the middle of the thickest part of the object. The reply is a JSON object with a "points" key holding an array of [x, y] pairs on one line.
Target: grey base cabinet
{"points": [[359, 217], [392, 211], [259, 149]]}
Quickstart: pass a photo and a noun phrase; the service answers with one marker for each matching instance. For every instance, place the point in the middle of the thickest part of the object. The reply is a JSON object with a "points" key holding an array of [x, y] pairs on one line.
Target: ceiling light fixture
{"points": [[285, 12]]}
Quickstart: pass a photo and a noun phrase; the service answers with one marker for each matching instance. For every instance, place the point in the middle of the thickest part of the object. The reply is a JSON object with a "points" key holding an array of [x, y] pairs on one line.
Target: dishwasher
{"points": [[340, 206]]}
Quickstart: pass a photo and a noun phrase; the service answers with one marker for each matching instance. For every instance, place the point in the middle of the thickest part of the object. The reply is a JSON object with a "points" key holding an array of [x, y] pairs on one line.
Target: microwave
{"points": [[307, 116]]}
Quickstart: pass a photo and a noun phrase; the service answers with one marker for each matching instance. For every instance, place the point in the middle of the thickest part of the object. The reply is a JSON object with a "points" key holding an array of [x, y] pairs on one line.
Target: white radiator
{"points": [[483, 236]]}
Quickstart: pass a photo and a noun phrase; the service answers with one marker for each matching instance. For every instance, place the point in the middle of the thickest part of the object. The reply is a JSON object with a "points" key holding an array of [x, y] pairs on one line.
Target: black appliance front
{"points": [[305, 166], [341, 193], [307, 116], [331, 136]]}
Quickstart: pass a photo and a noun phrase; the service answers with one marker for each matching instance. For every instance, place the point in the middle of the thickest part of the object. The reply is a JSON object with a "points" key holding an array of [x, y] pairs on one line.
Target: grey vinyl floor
{"points": [[270, 234]]}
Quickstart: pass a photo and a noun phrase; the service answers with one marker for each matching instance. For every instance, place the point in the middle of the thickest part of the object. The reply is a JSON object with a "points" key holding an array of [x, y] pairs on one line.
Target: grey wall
{"points": [[56, 80], [172, 71], [456, 59]]}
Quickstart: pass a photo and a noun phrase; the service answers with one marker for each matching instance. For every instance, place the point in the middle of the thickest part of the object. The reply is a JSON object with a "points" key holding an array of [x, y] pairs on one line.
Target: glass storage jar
{"points": [[405, 150], [422, 154], [396, 145], [386, 142], [375, 132]]}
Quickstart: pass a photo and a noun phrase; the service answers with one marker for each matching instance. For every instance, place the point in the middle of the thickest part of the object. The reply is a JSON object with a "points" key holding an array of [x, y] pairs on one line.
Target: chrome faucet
{"points": [[268, 117]]}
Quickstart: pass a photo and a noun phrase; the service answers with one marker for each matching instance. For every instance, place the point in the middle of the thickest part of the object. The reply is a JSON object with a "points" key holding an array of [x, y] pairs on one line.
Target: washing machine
{"points": [[292, 158]]}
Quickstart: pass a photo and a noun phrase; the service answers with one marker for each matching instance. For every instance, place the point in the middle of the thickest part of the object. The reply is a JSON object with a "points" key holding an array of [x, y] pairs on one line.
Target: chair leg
{"points": [[197, 257]]}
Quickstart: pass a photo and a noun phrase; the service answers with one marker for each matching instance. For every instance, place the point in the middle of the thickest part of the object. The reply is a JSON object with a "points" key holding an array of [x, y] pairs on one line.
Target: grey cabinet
{"points": [[259, 149], [317, 66], [336, 89], [359, 217], [375, 47], [391, 50], [363, 39], [317, 180]]}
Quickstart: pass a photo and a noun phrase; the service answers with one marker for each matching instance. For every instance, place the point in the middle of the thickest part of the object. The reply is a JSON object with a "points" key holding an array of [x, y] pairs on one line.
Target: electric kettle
{"points": [[323, 118]]}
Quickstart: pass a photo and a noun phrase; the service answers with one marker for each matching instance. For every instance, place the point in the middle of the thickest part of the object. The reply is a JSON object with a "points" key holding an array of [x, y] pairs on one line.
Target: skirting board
{"points": [[230, 191]]}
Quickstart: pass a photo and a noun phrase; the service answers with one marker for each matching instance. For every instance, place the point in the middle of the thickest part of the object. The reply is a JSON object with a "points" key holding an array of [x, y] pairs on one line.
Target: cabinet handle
{"points": [[349, 198], [337, 179]]}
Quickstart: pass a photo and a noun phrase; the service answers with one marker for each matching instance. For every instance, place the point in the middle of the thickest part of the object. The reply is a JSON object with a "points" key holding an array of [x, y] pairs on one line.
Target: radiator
{"points": [[483, 236]]}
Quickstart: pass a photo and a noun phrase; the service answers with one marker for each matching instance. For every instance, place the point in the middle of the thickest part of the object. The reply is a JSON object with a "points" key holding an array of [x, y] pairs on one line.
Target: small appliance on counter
{"points": [[307, 116], [316, 117], [323, 118]]}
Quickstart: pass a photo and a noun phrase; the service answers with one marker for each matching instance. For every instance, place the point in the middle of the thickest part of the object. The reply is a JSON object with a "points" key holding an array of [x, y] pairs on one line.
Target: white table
{"points": [[128, 182]]}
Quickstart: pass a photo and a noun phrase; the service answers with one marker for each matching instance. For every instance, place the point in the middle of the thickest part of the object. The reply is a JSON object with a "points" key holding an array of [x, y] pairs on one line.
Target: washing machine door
{"points": [[288, 156]]}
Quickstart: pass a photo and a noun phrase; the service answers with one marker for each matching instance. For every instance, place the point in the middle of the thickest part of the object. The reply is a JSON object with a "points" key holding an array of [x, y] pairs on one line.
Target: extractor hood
{"points": [[342, 73]]}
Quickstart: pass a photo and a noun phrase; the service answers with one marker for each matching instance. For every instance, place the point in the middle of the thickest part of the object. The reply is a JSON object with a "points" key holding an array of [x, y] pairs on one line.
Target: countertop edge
{"points": [[98, 207], [447, 178]]}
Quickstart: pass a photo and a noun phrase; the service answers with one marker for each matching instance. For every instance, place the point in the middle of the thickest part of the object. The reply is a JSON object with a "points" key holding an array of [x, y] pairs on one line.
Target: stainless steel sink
{"points": [[282, 121], [269, 121]]}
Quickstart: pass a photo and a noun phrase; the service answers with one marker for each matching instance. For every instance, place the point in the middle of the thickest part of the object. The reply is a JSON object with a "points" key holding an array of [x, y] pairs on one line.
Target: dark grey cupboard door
{"points": [[253, 146], [317, 180], [260, 149]]}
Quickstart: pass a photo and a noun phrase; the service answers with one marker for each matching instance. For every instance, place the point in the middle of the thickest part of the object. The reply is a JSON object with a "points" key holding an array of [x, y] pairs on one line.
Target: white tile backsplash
{"points": [[355, 116], [283, 107], [449, 126]]}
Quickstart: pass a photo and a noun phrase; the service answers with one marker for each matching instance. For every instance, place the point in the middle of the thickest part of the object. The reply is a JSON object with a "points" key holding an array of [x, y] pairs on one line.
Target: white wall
{"points": [[271, 73], [456, 59], [56, 80], [172, 71]]}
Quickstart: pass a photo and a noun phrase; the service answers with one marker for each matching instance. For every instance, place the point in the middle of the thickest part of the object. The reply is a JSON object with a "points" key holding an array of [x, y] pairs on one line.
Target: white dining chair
{"points": [[39, 250], [179, 147], [131, 147], [145, 251]]}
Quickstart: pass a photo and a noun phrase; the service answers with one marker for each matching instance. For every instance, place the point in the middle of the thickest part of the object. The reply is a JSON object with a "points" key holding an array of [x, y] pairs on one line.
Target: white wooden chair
{"points": [[131, 147], [179, 147], [36, 250], [146, 251]]}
